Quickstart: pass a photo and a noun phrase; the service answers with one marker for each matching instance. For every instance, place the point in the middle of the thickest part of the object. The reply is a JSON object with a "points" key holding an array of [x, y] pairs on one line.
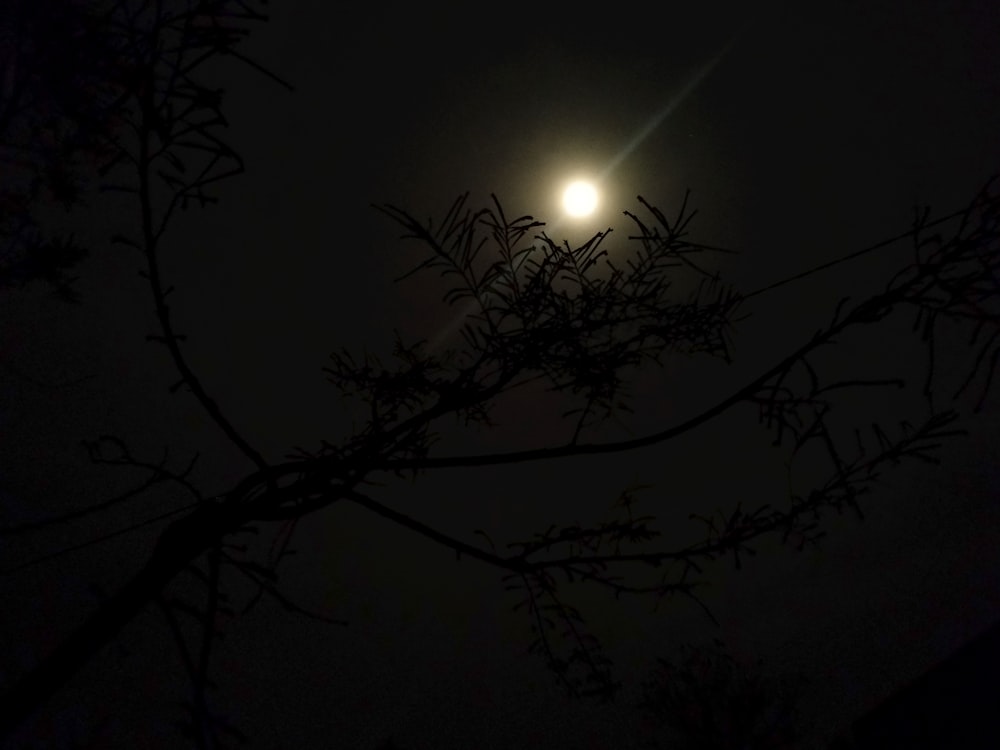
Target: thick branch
{"points": [[182, 542]]}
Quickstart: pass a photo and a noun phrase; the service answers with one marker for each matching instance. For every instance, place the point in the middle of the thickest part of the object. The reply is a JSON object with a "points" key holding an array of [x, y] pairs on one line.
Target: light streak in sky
{"points": [[668, 110]]}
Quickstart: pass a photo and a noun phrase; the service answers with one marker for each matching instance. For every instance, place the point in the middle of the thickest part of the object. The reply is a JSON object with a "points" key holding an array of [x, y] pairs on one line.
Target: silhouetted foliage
{"points": [[707, 700], [61, 83], [575, 320]]}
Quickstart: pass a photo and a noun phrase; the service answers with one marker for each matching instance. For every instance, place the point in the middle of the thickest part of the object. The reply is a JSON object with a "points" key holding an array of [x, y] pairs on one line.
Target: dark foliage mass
{"points": [[707, 700], [62, 87], [131, 107]]}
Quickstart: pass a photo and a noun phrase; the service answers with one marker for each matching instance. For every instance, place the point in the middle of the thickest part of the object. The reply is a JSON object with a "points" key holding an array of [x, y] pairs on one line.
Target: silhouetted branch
{"points": [[159, 474], [265, 579], [191, 127]]}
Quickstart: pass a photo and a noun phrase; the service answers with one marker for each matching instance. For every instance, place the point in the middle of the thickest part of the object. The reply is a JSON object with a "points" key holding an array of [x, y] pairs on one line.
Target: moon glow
{"points": [[580, 199]]}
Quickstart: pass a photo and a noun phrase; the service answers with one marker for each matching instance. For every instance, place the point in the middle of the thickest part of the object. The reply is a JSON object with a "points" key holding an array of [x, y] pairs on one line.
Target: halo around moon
{"points": [[580, 198]]}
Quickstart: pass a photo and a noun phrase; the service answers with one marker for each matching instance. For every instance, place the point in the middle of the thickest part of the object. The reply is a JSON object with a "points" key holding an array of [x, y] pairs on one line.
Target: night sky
{"points": [[804, 131]]}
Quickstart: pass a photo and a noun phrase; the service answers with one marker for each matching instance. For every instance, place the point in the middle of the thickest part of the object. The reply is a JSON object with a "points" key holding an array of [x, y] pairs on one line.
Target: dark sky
{"points": [[804, 131]]}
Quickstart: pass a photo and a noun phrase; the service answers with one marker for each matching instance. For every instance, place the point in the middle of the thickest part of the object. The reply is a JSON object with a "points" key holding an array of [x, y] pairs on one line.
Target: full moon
{"points": [[580, 199]]}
